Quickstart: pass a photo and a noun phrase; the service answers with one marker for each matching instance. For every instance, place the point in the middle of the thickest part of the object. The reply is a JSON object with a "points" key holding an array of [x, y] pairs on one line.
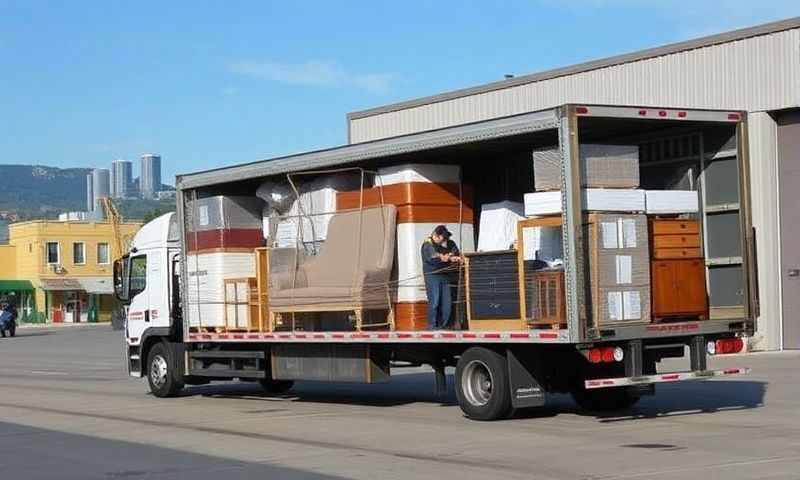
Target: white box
{"points": [[421, 172], [594, 199], [671, 201], [498, 225]]}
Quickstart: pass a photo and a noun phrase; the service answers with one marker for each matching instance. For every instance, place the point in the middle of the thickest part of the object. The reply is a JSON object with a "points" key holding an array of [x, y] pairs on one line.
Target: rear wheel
{"points": [[276, 386], [161, 373], [482, 384]]}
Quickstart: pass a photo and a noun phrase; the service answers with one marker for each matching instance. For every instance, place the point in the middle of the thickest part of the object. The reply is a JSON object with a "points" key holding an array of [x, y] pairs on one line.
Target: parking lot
{"points": [[68, 410]]}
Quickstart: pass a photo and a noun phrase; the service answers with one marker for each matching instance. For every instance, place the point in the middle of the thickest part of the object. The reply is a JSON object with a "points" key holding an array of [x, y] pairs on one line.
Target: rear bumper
{"points": [[663, 378]]}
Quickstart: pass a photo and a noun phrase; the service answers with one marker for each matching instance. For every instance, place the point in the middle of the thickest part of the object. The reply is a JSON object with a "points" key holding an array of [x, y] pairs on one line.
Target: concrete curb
{"points": [[35, 326]]}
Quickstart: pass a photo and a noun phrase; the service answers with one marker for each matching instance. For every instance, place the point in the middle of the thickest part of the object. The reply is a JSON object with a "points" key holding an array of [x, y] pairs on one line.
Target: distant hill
{"points": [[36, 191]]}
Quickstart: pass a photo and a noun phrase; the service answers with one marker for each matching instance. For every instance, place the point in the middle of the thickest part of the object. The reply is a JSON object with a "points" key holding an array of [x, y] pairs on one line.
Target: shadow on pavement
{"points": [[34, 453], [400, 390], [684, 398]]}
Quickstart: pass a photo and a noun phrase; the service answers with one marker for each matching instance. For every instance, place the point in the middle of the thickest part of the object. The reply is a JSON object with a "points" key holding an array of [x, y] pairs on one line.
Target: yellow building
{"points": [[61, 271]]}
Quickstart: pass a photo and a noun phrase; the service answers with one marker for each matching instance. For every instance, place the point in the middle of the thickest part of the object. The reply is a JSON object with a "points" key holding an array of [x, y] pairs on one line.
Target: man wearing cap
{"points": [[439, 256]]}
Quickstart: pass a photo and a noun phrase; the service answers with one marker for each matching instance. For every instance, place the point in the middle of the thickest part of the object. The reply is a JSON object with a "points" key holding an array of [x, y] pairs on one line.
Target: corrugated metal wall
{"points": [[764, 193], [754, 74]]}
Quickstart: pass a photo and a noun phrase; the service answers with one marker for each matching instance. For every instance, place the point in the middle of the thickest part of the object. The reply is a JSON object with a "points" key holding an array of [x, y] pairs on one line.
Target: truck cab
{"points": [[146, 280]]}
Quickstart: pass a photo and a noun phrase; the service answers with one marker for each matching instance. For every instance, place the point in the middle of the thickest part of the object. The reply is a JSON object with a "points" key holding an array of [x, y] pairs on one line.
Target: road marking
{"points": [[47, 372]]}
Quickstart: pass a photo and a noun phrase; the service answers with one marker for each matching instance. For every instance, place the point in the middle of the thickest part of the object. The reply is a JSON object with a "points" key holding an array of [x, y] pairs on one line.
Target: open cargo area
{"points": [[574, 224]]}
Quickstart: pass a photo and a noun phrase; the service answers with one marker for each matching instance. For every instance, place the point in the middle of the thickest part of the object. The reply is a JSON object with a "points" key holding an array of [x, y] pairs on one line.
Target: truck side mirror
{"points": [[121, 284]]}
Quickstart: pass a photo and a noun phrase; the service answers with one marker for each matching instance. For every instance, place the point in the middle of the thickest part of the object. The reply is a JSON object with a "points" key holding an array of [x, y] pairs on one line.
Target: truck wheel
{"points": [[482, 384], [604, 399], [276, 386], [161, 372]]}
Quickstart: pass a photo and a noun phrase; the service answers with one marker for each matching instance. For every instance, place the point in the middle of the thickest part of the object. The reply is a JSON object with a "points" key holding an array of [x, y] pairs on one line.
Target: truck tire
{"points": [[276, 386], [605, 399], [161, 373], [482, 385]]}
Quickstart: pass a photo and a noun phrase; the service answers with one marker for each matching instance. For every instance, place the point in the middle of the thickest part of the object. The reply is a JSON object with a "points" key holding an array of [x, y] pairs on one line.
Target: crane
{"points": [[114, 218]]}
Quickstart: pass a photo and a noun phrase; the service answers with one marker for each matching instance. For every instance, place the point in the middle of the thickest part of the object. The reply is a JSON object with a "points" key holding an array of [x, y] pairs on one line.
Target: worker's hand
{"points": [[445, 257], [456, 259]]}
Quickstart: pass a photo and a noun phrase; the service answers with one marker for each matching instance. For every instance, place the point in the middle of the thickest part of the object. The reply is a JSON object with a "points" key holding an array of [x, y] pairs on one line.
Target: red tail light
{"points": [[734, 116], [595, 355], [608, 354], [581, 110], [729, 345]]}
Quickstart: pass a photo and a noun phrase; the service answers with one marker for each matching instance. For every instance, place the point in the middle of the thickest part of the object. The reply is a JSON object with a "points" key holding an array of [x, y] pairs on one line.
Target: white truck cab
{"points": [[147, 279]]}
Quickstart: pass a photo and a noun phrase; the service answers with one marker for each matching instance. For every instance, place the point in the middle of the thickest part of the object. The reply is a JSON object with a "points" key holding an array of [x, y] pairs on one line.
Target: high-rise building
{"points": [[150, 177], [89, 192], [101, 187], [121, 177]]}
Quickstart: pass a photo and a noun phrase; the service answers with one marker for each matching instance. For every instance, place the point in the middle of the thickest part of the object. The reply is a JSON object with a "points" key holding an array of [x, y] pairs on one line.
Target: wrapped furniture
{"points": [[351, 272]]}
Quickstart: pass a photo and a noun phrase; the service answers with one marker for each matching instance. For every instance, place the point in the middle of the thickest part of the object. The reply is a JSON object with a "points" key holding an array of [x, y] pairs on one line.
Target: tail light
{"points": [[605, 355], [728, 345]]}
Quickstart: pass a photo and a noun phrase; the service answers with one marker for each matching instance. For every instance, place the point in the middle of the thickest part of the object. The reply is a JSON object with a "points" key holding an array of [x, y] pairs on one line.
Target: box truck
{"points": [[611, 238]]}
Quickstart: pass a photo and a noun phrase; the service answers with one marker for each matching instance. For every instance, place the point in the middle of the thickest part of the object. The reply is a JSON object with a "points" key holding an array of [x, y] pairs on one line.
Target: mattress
{"points": [[498, 225], [431, 173]]}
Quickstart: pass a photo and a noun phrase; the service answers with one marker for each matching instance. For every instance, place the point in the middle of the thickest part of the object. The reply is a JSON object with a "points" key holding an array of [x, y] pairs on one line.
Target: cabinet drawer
{"points": [[676, 241], [675, 227], [666, 253]]}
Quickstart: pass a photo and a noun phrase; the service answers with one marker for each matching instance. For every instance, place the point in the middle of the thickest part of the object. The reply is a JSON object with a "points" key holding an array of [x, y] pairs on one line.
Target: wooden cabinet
{"points": [[677, 269]]}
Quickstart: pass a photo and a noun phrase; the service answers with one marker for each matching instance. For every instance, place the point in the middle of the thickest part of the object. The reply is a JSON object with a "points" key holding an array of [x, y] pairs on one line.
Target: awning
{"points": [[96, 285], [55, 284], [15, 285]]}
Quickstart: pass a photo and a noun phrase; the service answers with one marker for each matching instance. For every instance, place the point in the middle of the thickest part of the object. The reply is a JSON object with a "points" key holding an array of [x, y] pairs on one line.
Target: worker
{"points": [[439, 256]]}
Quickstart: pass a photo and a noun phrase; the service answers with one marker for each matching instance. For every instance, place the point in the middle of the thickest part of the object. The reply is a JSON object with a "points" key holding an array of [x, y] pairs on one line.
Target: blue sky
{"points": [[209, 83]]}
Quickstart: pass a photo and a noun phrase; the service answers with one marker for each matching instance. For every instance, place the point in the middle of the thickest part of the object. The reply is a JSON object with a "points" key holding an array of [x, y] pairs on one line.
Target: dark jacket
{"points": [[430, 256]]}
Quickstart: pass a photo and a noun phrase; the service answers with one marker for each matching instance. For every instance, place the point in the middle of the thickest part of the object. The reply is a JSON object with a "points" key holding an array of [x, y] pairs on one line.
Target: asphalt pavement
{"points": [[69, 411]]}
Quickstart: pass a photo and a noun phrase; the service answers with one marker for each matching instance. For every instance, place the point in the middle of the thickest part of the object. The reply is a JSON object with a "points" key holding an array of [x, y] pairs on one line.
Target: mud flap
{"points": [[525, 390]]}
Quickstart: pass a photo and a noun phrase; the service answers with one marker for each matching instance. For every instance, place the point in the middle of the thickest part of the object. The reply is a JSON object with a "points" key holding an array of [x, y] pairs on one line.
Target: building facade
{"points": [[89, 192], [150, 178], [121, 178], [61, 271], [101, 187], [755, 69]]}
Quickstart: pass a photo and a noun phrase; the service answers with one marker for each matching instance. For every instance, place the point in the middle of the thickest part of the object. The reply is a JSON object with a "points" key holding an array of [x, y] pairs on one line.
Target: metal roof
{"points": [[461, 134], [726, 37]]}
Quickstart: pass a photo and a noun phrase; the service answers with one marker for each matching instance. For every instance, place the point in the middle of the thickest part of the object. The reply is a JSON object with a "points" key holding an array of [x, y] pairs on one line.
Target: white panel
{"points": [[764, 197], [758, 73], [660, 202], [594, 199], [411, 283]]}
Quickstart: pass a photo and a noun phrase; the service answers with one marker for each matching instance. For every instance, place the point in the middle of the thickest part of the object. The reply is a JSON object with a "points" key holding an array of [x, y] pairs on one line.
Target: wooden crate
{"points": [[240, 313], [548, 309]]}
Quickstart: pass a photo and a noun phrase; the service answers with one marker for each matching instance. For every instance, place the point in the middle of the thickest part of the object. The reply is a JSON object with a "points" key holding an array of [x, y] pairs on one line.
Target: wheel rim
{"points": [[158, 371], [477, 383]]}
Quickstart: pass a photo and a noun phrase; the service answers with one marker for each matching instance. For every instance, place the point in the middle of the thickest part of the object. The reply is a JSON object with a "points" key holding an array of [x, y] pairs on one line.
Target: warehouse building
{"points": [[755, 69]]}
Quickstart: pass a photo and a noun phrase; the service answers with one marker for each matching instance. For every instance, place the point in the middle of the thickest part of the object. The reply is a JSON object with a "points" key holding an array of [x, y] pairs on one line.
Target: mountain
{"points": [[36, 191]]}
